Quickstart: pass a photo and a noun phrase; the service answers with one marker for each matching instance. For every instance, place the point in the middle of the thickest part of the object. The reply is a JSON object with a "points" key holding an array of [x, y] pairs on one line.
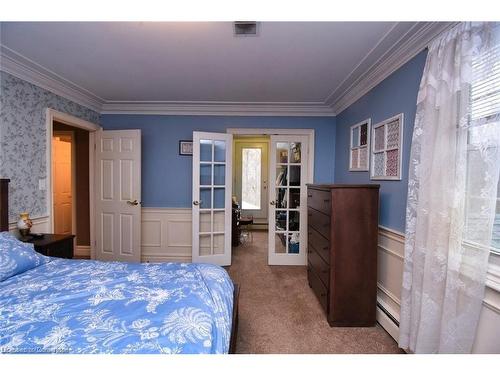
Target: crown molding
{"points": [[414, 40], [309, 109], [390, 53], [21, 67]]}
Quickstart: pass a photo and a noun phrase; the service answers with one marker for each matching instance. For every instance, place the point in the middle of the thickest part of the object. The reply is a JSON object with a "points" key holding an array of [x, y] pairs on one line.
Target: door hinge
{"points": [[95, 147]]}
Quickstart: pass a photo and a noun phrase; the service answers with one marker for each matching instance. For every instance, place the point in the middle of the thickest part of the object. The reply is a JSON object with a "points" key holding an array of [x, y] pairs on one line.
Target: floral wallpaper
{"points": [[23, 141]]}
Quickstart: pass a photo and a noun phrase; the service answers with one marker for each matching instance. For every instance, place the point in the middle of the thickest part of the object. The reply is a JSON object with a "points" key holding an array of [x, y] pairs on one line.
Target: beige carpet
{"points": [[280, 314]]}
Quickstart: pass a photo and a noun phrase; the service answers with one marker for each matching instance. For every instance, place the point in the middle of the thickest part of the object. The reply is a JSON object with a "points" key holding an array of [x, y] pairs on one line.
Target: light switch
{"points": [[42, 184]]}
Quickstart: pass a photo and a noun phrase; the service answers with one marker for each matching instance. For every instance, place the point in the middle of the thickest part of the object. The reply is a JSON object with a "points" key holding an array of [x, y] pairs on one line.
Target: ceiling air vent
{"points": [[245, 28]]}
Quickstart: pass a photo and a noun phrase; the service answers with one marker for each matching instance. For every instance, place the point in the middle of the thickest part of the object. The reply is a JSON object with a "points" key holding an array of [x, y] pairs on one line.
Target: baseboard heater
{"points": [[389, 315]]}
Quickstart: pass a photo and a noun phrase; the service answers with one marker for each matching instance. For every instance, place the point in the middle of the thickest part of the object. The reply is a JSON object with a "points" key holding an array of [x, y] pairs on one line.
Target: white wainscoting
{"points": [[390, 270], [166, 235]]}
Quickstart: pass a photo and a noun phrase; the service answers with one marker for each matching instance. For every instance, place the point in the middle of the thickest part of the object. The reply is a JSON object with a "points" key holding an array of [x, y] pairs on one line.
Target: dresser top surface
{"points": [[343, 186]]}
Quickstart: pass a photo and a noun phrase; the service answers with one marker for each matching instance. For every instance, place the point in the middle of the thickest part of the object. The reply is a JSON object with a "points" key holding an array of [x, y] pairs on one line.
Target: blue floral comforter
{"points": [[73, 306]]}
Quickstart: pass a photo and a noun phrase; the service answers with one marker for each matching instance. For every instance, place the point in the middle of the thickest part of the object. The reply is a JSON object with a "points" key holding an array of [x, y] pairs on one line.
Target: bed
{"points": [[84, 306]]}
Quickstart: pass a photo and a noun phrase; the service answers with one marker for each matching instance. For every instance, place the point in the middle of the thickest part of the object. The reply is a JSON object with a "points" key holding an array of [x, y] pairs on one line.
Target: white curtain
{"points": [[452, 188]]}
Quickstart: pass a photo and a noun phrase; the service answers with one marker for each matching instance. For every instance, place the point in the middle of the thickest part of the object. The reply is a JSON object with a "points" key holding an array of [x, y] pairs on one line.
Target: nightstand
{"points": [[54, 245]]}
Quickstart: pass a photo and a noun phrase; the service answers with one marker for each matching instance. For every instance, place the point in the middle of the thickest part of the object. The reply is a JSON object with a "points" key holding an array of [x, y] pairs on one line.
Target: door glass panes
{"points": [[281, 153], [212, 199], [220, 151], [205, 197], [287, 199], [205, 222], [280, 220], [219, 197], [205, 174], [205, 150], [219, 243], [294, 198], [295, 152], [219, 174], [205, 244], [281, 198], [280, 243], [294, 175], [281, 175], [251, 178]]}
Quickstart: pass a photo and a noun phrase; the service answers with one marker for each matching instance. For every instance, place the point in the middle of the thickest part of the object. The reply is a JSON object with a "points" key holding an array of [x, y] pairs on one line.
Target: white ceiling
{"points": [[290, 63], [286, 62]]}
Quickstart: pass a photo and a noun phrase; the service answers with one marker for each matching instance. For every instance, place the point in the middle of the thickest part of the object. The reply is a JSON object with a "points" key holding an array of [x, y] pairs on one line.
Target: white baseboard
{"points": [[82, 251]]}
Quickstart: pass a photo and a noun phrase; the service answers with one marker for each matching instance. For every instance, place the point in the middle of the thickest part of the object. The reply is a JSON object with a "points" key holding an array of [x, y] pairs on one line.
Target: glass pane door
{"points": [[288, 177], [212, 198]]}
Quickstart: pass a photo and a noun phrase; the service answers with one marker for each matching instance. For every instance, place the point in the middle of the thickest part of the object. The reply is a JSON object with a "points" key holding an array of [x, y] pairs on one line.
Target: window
{"points": [[483, 140], [251, 178], [360, 146]]}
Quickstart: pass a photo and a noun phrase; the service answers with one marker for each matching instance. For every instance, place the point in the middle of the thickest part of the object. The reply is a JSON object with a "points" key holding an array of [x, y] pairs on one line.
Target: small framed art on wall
{"points": [[387, 148], [360, 147], [186, 147]]}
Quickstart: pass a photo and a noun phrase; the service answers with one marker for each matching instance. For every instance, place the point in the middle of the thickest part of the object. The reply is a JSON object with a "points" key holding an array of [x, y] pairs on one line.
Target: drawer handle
{"points": [[326, 225], [325, 248], [309, 233], [309, 215], [325, 271], [309, 251], [323, 294], [309, 195], [326, 200]]}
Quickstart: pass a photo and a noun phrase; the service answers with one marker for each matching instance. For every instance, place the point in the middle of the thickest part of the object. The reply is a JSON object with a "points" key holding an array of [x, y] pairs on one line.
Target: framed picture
{"points": [[360, 147], [185, 147], [387, 149]]}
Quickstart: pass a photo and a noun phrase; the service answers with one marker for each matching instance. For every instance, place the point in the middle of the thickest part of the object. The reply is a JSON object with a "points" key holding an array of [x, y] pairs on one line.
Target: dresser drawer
{"points": [[319, 243], [319, 221], [319, 200], [317, 287], [319, 266]]}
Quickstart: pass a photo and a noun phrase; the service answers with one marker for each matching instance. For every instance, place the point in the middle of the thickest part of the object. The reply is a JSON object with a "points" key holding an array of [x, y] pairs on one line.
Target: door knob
{"points": [[133, 203], [272, 203], [196, 203]]}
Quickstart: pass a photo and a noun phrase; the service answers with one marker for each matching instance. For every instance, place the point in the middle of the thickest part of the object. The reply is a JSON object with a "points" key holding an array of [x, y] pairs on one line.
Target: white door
{"points": [[212, 198], [118, 186], [288, 176], [62, 162], [251, 177]]}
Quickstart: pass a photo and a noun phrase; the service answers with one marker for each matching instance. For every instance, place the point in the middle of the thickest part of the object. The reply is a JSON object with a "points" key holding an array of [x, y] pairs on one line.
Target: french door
{"points": [[288, 200], [212, 191]]}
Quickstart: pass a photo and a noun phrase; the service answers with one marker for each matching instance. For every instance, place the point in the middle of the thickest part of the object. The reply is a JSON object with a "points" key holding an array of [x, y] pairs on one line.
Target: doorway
{"points": [[250, 178], [71, 185]]}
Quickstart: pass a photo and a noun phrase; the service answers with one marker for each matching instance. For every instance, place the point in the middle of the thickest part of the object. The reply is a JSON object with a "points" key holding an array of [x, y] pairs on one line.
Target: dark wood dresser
{"points": [[342, 251]]}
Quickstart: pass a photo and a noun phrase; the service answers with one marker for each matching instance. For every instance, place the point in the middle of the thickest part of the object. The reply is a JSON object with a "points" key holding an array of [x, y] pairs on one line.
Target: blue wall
{"points": [[396, 94], [166, 176]]}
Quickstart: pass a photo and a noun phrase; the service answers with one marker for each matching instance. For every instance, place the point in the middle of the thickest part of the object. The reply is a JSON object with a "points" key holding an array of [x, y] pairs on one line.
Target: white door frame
{"points": [[52, 115], [272, 131]]}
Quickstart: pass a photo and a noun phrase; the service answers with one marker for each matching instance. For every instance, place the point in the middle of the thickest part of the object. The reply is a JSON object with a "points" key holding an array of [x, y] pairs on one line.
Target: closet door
{"points": [[288, 200], [212, 191]]}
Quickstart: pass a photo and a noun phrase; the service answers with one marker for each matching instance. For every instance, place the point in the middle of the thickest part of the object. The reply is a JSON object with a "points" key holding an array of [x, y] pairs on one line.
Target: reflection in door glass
{"points": [[281, 198], [293, 243], [294, 175], [281, 220], [281, 152], [295, 152], [281, 176], [280, 243], [294, 198], [293, 220], [251, 178], [220, 151]]}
